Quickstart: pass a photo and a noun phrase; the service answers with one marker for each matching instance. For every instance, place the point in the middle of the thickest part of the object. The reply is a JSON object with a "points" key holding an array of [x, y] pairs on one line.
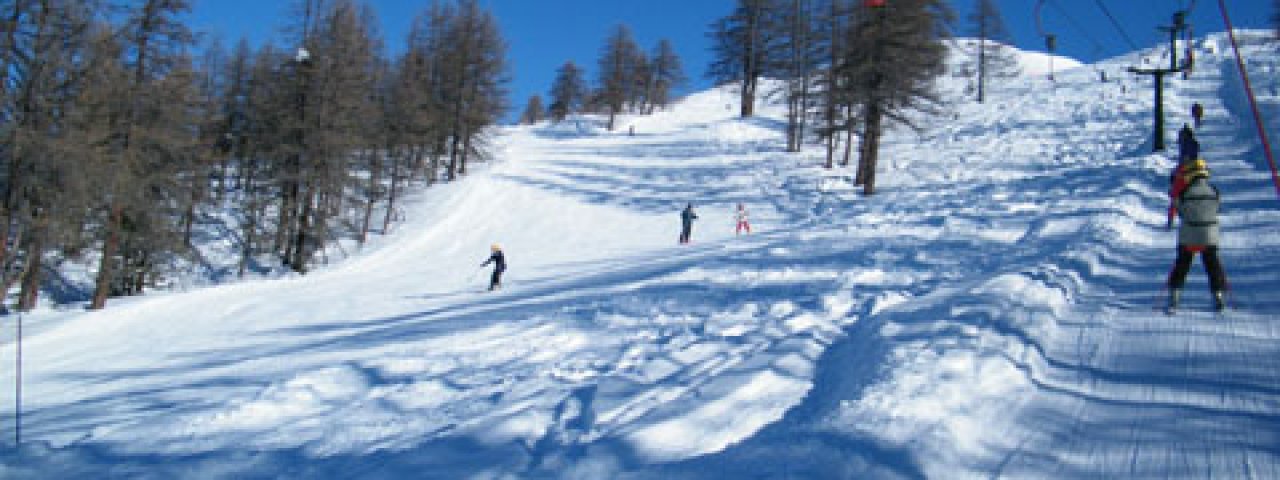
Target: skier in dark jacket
{"points": [[1188, 146], [686, 219], [1197, 113], [1196, 202], [499, 265]]}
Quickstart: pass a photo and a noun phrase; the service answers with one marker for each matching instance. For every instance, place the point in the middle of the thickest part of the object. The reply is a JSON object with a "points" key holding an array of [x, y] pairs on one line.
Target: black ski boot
{"points": [[1218, 303], [1175, 294]]}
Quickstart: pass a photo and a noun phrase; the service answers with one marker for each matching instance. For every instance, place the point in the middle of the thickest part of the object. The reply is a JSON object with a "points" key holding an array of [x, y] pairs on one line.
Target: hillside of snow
{"points": [[963, 57], [988, 313]]}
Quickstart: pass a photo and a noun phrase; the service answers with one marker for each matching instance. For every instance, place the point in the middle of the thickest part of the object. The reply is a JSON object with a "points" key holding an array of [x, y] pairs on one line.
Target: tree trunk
{"points": [[793, 123], [375, 183], [189, 220], [437, 151], [299, 262], [284, 227], [110, 246], [466, 151], [246, 245], [32, 273], [453, 156], [871, 149], [392, 193], [831, 150], [848, 138], [750, 68], [10, 274], [982, 66], [139, 278]]}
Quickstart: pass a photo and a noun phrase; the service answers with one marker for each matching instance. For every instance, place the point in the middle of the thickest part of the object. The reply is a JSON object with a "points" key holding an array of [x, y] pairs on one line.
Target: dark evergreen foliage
{"points": [[568, 93], [742, 44], [853, 64], [993, 60], [534, 112], [621, 65], [117, 142], [890, 57]]}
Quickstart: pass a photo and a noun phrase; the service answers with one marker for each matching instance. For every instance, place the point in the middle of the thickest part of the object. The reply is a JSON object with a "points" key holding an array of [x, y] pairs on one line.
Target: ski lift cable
{"points": [[1074, 24], [1106, 11], [1039, 20], [1253, 99]]}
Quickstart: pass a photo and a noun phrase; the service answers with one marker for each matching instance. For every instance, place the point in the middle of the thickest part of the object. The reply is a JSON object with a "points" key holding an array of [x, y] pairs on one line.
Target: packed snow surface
{"points": [[988, 313]]}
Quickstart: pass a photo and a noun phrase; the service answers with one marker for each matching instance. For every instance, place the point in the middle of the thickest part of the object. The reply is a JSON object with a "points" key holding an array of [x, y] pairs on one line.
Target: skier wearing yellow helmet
{"points": [[1196, 203], [499, 265]]}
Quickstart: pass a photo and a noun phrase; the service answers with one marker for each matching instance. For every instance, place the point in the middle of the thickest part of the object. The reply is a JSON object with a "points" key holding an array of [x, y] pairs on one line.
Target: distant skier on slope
{"points": [[1197, 113], [499, 262], [743, 224], [1196, 203], [687, 216], [1188, 146]]}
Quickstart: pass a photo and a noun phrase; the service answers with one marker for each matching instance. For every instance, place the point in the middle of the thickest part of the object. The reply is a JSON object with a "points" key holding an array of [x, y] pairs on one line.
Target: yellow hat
{"points": [[495, 247], [1197, 168]]}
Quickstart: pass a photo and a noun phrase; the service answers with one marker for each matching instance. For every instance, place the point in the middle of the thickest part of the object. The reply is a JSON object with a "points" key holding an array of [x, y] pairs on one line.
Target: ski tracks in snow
{"points": [[986, 314]]}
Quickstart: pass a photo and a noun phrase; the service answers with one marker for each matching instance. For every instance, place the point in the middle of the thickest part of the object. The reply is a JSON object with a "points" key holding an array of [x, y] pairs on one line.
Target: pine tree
{"points": [[618, 72], [237, 138], [269, 104], [568, 92], [1275, 17], [831, 96], [422, 90], [475, 82], [534, 112], [338, 81], [891, 56], [116, 137], [666, 75], [797, 63], [42, 191], [993, 58], [153, 39], [742, 45]]}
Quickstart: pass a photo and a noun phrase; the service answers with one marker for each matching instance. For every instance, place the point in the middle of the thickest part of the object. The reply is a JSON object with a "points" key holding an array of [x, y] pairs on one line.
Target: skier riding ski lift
{"points": [[1196, 203]]}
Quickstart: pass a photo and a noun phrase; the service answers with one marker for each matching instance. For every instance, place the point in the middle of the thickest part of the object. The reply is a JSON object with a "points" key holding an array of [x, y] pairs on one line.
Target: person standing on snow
{"points": [[499, 262], [1197, 112], [742, 220], [686, 220], [1196, 203]]}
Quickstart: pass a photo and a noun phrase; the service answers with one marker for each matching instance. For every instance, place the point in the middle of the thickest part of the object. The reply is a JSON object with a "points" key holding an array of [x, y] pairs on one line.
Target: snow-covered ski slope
{"points": [[989, 313]]}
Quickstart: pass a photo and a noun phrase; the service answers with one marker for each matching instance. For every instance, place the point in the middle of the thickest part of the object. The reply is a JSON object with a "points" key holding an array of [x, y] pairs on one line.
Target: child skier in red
{"points": [[743, 224]]}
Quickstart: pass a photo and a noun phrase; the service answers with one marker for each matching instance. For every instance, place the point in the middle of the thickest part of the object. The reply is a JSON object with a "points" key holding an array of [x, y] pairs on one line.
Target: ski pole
{"points": [[1164, 292], [1226, 285], [17, 394]]}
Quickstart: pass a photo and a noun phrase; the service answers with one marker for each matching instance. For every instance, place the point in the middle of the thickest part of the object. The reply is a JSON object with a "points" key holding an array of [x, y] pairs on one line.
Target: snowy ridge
{"points": [[1029, 63], [987, 314]]}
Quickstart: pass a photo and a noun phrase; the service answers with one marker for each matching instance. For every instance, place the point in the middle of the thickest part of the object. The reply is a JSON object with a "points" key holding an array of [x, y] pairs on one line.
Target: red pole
{"points": [[1253, 102]]}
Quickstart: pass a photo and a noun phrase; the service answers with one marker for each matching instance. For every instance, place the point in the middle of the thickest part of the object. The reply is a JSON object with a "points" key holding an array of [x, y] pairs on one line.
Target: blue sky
{"points": [[543, 34]]}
